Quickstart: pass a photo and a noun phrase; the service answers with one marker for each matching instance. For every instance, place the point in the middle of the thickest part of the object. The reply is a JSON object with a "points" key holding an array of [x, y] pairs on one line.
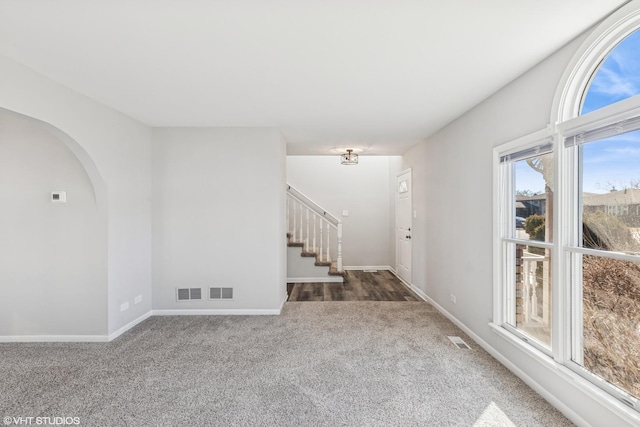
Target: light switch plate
{"points": [[345, 212]]}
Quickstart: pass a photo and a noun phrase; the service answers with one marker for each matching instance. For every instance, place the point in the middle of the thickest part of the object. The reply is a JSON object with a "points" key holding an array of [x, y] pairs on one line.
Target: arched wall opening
{"points": [[53, 279]]}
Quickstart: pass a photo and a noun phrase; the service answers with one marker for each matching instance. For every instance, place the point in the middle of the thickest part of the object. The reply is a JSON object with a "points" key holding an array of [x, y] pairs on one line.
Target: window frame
{"points": [[566, 248], [507, 239], [566, 121]]}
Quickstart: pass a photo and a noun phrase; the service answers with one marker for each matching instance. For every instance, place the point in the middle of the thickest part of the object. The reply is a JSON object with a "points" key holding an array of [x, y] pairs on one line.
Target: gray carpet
{"points": [[318, 364]]}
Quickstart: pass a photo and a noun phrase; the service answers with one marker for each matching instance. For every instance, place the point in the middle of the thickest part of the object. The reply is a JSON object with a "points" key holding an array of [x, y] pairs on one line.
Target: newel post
{"points": [[339, 246]]}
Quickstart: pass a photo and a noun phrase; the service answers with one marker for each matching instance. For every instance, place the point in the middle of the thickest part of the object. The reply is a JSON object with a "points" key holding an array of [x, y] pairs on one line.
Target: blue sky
{"points": [[614, 161], [617, 78]]}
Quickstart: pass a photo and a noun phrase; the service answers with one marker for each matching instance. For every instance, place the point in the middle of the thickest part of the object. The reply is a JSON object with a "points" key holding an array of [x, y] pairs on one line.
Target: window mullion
{"points": [[558, 294], [569, 325], [507, 227]]}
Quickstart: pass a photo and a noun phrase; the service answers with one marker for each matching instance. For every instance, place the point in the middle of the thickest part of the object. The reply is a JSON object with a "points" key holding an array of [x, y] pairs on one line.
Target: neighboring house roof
{"points": [[622, 197], [541, 196]]}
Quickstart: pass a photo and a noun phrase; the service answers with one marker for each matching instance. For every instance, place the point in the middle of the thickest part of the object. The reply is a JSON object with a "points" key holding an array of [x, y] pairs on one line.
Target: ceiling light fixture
{"points": [[349, 158]]}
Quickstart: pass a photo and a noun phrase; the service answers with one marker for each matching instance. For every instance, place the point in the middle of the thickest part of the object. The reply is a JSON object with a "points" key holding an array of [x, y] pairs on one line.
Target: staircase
{"points": [[317, 235]]}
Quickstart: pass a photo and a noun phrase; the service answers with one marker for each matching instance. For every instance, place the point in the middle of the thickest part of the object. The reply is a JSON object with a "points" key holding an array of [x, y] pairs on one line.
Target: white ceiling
{"points": [[381, 75]]}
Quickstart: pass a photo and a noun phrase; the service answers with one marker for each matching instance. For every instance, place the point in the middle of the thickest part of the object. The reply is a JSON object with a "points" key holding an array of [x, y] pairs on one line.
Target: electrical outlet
{"points": [[124, 306], [452, 297], [138, 299]]}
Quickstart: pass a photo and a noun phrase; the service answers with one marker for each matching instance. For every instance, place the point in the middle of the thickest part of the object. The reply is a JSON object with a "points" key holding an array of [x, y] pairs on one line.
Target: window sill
{"points": [[607, 400]]}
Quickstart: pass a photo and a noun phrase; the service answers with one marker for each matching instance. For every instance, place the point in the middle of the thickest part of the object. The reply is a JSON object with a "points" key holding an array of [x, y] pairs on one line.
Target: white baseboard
{"points": [[286, 297], [135, 322], [415, 289], [219, 312], [549, 397], [324, 279], [125, 328], [366, 267], [53, 338], [419, 292]]}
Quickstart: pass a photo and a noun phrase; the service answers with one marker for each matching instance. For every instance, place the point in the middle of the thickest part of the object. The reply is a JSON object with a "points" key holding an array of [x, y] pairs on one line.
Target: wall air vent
{"points": [[220, 293], [188, 294], [459, 342]]}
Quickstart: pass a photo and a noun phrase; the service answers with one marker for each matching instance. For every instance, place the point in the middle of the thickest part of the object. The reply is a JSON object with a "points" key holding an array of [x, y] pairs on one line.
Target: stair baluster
{"points": [[303, 215], [315, 215], [300, 225], [307, 239], [320, 254], [328, 246], [294, 221], [339, 266]]}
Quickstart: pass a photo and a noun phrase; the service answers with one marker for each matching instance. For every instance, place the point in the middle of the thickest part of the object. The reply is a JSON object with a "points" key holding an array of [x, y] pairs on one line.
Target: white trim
{"points": [[129, 325], [419, 292], [366, 267], [604, 398], [218, 312], [413, 288], [135, 322], [522, 143], [53, 338], [548, 396], [568, 97], [323, 279]]}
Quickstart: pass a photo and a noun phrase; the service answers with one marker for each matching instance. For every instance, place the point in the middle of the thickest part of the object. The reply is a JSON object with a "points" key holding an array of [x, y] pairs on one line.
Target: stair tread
{"points": [[333, 269]]}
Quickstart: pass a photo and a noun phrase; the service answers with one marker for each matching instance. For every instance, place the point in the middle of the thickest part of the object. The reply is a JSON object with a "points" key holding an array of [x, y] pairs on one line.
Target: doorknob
{"points": [[408, 237]]}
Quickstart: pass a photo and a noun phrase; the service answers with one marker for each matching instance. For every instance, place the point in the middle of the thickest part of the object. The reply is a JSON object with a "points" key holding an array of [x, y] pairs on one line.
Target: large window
{"points": [[528, 242], [605, 257], [569, 232]]}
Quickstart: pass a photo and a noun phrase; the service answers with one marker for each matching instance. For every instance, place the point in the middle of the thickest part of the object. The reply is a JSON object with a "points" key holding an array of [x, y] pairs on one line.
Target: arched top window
{"points": [[617, 77], [604, 71], [567, 220]]}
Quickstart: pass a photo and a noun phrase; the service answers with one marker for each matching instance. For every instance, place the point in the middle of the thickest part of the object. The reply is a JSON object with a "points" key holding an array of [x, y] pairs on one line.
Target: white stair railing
{"points": [[313, 226]]}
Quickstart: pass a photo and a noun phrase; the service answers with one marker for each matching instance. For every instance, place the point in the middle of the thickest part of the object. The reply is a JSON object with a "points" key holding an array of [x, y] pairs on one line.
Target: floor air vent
{"points": [[220, 293], [370, 271], [459, 342], [189, 294]]}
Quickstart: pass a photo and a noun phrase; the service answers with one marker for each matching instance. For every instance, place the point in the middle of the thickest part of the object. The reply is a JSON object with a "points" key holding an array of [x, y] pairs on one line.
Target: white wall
{"points": [[115, 151], [218, 216], [363, 190], [452, 239], [52, 256]]}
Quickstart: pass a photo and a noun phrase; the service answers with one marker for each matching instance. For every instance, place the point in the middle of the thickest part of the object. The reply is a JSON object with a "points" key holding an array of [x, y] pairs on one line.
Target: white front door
{"points": [[403, 226]]}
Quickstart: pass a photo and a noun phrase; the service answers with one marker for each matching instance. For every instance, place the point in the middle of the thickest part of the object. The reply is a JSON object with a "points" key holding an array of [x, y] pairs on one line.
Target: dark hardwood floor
{"points": [[358, 286]]}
